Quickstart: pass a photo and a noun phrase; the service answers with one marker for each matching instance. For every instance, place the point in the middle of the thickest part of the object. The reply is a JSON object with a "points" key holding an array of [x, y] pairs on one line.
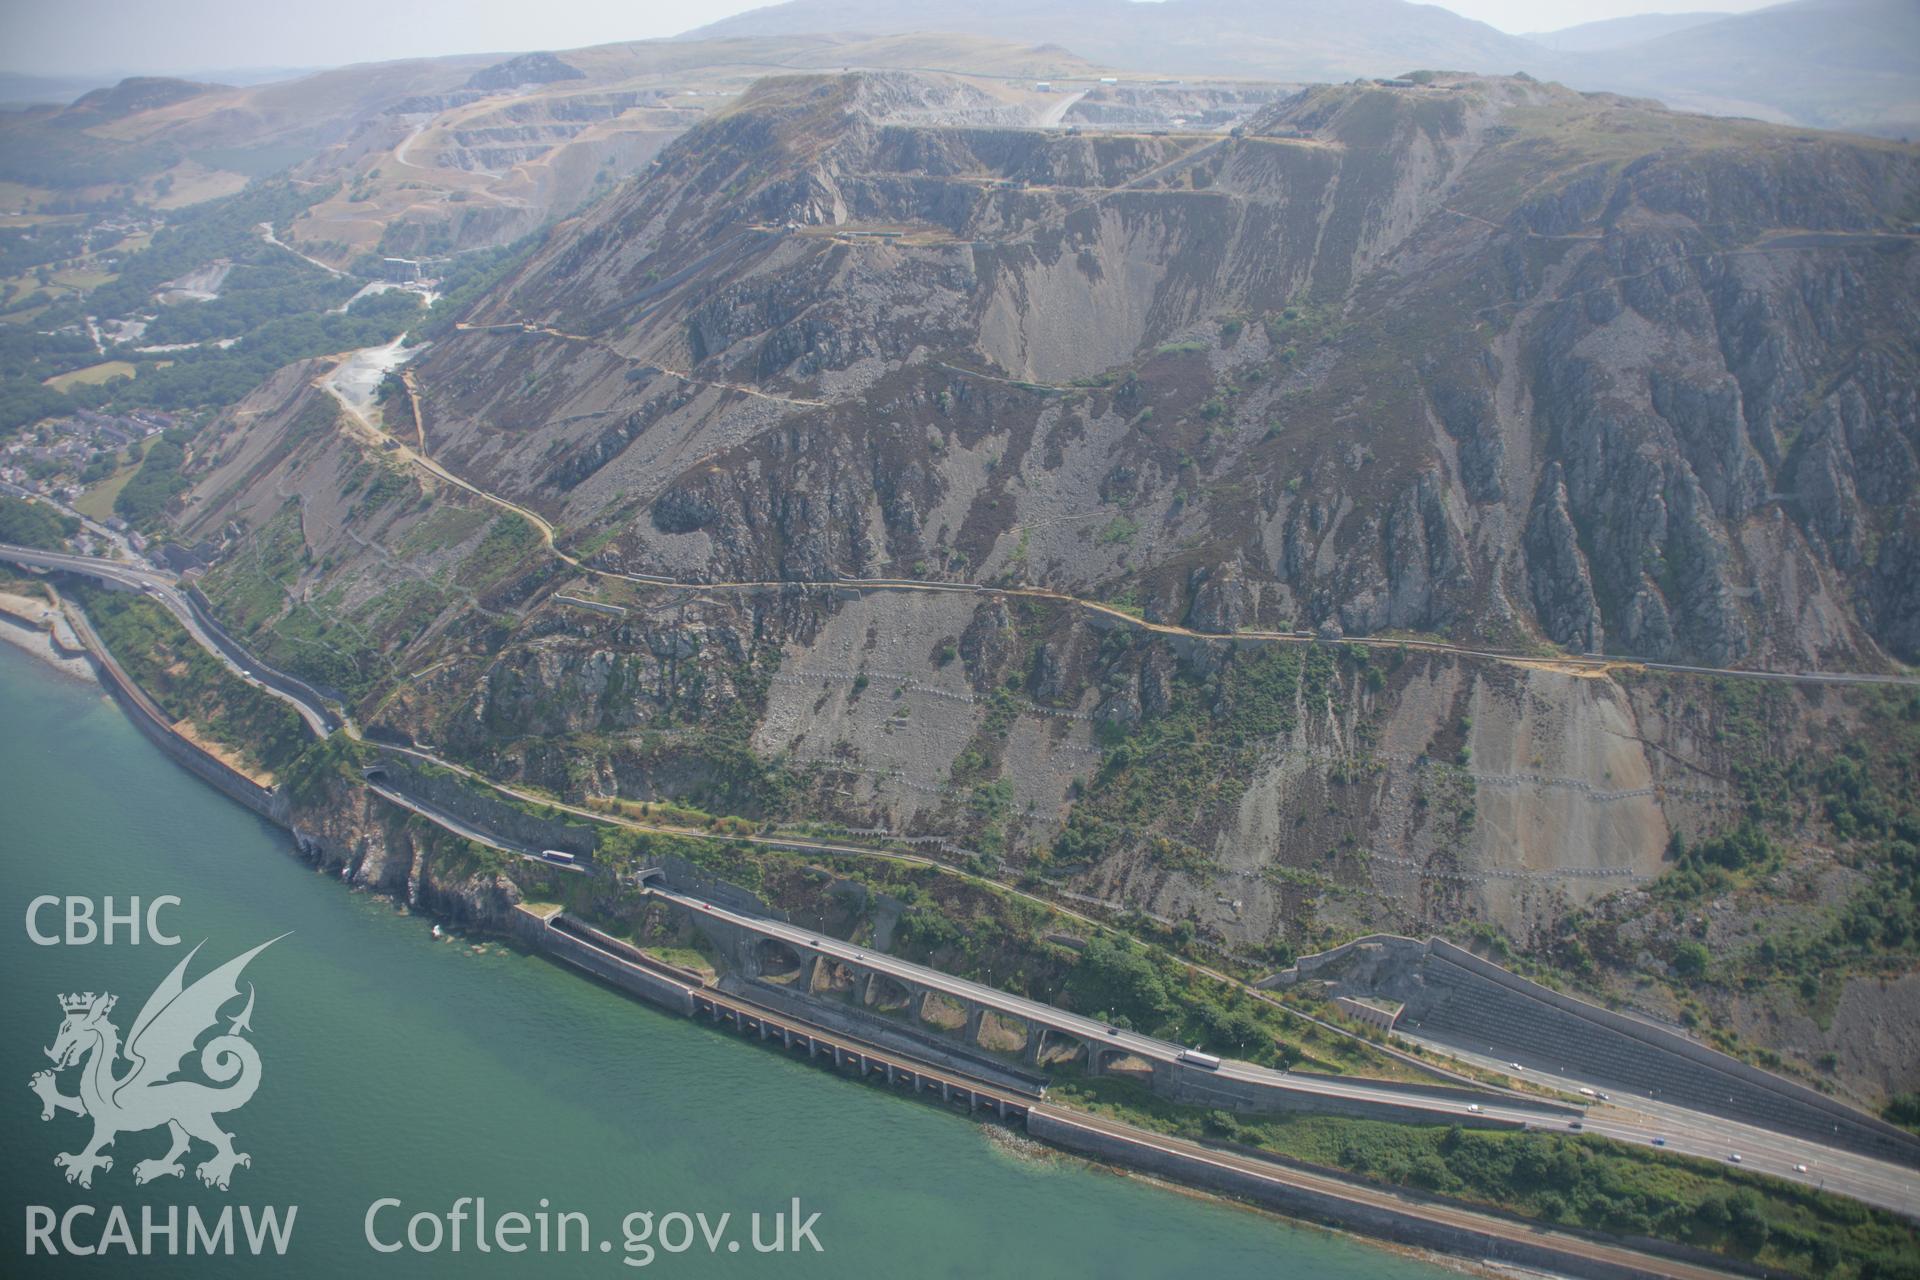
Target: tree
{"points": [[1690, 960], [34, 524]]}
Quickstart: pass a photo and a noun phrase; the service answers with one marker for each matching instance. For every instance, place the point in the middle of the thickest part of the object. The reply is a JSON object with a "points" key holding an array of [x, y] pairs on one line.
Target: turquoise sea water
{"points": [[397, 1067]]}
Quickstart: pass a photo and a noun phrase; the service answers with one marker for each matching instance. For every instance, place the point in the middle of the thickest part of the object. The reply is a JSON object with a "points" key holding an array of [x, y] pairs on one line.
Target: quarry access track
{"points": [[548, 331], [1585, 665]]}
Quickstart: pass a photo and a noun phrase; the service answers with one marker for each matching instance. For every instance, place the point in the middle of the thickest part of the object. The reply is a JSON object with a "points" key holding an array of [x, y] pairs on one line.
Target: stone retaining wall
{"points": [[654, 988], [153, 723]]}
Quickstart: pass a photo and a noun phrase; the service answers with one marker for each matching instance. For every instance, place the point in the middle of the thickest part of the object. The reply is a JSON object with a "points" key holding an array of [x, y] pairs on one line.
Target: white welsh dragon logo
{"points": [[146, 1095]]}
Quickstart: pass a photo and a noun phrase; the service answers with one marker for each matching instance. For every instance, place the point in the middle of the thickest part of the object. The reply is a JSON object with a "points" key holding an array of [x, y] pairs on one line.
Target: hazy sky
{"points": [[49, 37]]}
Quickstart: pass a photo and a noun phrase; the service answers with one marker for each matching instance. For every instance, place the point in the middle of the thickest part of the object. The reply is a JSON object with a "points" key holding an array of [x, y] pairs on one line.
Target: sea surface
{"points": [[396, 1067]]}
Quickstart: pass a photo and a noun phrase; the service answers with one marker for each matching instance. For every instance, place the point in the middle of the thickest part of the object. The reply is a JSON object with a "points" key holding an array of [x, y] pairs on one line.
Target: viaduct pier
{"points": [[778, 962], [1295, 1190]]}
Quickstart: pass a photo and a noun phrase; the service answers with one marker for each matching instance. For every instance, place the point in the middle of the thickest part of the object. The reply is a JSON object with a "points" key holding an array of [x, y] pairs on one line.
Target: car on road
{"points": [[1799, 1168], [1733, 1157], [1659, 1142], [1575, 1124], [1474, 1107], [1113, 1031]]}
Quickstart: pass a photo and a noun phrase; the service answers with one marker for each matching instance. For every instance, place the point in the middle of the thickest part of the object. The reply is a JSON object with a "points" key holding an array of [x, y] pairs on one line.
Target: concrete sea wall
{"points": [[153, 722], [1275, 1190], [601, 957]]}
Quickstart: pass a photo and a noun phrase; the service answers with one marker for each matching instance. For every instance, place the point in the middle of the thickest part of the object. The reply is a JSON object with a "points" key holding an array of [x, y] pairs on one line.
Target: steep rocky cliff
{"points": [[1487, 360], [1482, 358]]}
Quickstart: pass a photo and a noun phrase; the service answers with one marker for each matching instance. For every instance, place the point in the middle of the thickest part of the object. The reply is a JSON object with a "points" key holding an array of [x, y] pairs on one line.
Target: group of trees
{"points": [[24, 248], [34, 524], [213, 376], [1177, 773], [280, 309], [153, 486], [25, 353], [1591, 1183], [1868, 794], [36, 152], [1139, 989], [191, 684], [253, 294], [194, 237]]}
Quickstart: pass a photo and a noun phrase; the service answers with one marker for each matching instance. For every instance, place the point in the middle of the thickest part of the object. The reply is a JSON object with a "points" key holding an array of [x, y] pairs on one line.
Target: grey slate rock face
{"points": [[1557, 570], [1222, 599]]}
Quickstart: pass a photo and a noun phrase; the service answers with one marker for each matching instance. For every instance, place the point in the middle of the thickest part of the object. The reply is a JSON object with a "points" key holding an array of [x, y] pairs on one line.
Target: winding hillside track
{"points": [[547, 331], [1596, 665], [375, 437], [266, 233]]}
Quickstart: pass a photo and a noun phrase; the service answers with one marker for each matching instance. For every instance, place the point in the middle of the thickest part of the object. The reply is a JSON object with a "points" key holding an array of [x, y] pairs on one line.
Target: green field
{"points": [[93, 374], [97, 501]]}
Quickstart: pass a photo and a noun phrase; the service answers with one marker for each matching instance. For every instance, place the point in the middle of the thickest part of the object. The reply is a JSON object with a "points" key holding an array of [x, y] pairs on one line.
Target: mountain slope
{"points": [[1839, 64], [438, 155], [1615, 33], [1490, 360], [1485, 359]]}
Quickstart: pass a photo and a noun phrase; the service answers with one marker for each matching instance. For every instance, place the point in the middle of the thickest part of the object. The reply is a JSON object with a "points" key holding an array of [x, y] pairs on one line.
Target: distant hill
{"points": [[1617, 33], [1306, 40], [17, 89], [25, 90], [528, 68], [1837, 64], [130, 96]]}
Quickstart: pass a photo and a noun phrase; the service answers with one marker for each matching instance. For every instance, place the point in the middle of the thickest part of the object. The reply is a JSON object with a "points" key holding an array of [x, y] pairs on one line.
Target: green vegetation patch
{"points": [[188, 683], [34, 524], [153, 487], [1171, 780], [1567, 1180], [279, 307]]}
